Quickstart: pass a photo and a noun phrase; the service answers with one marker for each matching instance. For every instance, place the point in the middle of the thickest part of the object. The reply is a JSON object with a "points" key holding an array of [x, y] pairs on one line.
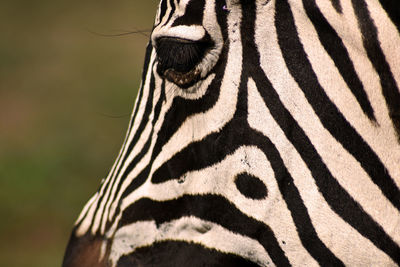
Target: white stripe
{"points": [[343, 166], [382, 137], [193, 32], [389, 37], [344, 241], [106, 200], [85, 222], [86, 208], [128, 139], [145, 160], [144, 136], [333, 231], [219, 180], [197, 126], [171, 91], [189, 229]]}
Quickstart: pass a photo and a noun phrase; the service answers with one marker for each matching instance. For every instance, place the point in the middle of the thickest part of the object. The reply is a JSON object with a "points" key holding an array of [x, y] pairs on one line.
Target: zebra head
{"points": [[265, 132]]}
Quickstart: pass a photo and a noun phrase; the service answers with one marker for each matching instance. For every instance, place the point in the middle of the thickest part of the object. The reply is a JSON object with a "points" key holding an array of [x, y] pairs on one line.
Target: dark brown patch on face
{"points": [[85, 252]]}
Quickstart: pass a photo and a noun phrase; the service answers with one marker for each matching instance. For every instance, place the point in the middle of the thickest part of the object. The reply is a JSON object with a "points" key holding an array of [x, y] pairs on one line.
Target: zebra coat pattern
{"points": [[265, 133]]}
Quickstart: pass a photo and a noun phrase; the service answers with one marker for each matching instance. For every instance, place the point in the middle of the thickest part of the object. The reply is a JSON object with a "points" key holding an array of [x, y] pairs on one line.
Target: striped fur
{"points": [[284, 151]]}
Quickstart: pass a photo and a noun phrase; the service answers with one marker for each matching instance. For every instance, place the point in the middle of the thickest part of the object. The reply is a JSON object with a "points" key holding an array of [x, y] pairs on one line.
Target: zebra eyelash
{"points": [[177, 59], [179, 55]]}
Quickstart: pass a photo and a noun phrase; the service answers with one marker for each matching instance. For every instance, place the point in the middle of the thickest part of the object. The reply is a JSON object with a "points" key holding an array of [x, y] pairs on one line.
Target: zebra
{"points": [[264, 133]]}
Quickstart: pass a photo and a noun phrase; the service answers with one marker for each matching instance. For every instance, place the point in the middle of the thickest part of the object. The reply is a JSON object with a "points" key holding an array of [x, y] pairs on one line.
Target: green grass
{"points": [[58, 82]]}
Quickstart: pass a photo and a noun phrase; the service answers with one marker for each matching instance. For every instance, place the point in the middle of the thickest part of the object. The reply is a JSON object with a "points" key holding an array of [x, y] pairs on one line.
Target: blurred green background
{"points": [[66, 95]]}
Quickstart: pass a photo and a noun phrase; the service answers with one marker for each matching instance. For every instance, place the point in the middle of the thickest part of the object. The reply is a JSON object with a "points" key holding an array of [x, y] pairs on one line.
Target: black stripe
{"points": [[216, 146], [143, 123], [179, 253], [110, 182], [195, 156], [149, 50], [338, 199], [291, 195], [146, 146], [143, 175], [97, 203], [337, 5], [338, 52], [392, 8], [305, 229], [193, 14], [97, 210], [172, 7], [214, 149], [301, 70], [375, 54], [182, 108], [163, 9], [144, 119], [211, 208]]}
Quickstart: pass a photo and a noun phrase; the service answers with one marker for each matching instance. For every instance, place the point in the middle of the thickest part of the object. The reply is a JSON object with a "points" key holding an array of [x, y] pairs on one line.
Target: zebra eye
{"points": [[178, 59]]}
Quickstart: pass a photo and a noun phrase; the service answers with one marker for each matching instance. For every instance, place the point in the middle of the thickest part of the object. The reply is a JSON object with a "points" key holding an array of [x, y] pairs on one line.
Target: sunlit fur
{"points": [[299, 95]]}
